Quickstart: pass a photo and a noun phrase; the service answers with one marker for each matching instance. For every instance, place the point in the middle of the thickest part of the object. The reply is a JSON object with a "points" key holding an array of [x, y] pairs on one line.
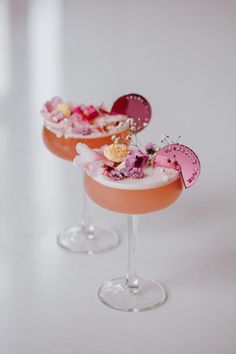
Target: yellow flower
{"points": [[116, 152], [64, 108]]}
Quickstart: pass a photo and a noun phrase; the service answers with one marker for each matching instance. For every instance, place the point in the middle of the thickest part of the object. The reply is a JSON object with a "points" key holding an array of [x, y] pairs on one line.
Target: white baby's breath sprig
{"points": [[128, 137], [120, 125], [117, 140], [178, 139], [165, 140], [130, 121]]}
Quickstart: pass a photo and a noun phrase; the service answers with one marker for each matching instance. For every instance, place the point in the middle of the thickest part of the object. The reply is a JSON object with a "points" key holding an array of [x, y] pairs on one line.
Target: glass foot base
{"points": [[118, 296], [80, 239]]}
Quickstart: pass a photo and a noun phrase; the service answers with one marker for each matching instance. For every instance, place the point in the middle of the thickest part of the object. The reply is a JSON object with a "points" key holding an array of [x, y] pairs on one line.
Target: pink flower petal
{"points": [[92, 160], [55, 101], [49, 110], [94, 168], [87, 154]]}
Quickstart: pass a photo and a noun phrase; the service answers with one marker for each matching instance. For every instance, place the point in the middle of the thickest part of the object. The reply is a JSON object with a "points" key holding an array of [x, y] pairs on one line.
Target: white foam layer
{"points": [[153, 178], [58, 130]]}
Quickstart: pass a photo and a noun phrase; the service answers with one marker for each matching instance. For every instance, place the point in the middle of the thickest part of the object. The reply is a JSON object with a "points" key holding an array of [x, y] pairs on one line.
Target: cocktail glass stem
{"points": [[131, 277], [86, 222]]}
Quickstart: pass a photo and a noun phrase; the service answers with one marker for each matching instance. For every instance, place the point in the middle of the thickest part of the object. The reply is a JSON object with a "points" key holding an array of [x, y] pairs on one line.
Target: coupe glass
{"points": [[83, 238], [130, 292]]}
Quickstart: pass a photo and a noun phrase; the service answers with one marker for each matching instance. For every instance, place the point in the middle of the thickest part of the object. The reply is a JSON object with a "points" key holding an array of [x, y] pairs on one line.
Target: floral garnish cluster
{"points": [[77, 119], [132, 164], [124, 158]]}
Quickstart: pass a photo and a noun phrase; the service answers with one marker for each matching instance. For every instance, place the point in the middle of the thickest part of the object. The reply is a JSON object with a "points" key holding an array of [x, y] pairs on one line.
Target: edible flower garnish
{"points": [[92, 160], [129, 159], [124, 158], [116, 152], [50, 110], [151, 148], [64, 108], [67, 119]]}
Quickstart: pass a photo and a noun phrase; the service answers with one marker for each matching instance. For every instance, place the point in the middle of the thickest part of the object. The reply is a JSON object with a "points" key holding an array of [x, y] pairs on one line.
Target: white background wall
{"points": [[181, 55]]}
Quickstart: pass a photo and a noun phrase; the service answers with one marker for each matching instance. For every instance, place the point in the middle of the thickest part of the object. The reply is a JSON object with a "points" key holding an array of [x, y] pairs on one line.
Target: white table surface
{"points": [[181, 55]]}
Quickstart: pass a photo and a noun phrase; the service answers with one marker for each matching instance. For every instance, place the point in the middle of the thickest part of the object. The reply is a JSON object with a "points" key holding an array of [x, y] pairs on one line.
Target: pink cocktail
{"points": [[132, 293], [138, 200], [65, 126], [136, 184]]}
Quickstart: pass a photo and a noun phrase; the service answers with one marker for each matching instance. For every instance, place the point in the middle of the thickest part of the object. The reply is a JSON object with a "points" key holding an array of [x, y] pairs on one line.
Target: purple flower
{"points": [[125, 171], [151, 148], [115, 175], [136, 159], [130, 161], [136, 172]]}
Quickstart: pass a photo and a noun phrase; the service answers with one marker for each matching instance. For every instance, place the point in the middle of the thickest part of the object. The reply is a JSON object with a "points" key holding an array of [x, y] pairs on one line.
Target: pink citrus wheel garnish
{"points": [[182, 159], [134, 106]]}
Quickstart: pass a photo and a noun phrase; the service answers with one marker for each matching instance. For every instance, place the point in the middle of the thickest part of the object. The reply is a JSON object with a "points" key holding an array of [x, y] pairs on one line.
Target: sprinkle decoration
{"points": [[180, 158], [136, 107]]}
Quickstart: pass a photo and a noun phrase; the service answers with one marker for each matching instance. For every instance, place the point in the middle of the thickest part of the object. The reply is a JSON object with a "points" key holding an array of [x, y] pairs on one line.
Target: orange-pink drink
{"points": [[157, 190], [65, 146]]}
